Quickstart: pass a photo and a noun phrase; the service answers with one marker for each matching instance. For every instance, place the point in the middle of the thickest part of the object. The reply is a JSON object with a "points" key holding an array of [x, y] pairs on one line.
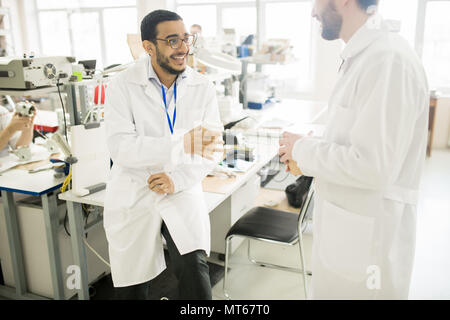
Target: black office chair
{"points": [[274, 226]]}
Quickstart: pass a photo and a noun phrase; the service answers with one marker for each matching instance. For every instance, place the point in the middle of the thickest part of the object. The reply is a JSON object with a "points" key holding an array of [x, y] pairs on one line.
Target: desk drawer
{"points": [[229, 211], [244, 199]]}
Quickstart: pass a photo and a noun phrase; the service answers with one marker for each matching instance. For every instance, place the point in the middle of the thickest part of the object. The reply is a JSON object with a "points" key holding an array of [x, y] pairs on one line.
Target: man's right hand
{"points": [[203, 142]]}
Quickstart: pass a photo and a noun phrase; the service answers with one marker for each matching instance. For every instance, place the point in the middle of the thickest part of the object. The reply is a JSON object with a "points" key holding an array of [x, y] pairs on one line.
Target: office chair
{"points": [[273, 226]]}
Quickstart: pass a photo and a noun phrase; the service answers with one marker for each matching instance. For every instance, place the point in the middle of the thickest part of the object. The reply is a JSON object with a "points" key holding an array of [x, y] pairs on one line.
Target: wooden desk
{"points": [[432, 116]]}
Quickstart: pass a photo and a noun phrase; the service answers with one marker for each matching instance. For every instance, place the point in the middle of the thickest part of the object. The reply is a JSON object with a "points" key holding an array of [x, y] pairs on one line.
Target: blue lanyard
{"points": [[171, 123]]}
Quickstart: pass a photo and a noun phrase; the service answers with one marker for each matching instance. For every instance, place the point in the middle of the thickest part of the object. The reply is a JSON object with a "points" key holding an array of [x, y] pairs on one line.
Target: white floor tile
{"points": [[431, 274]]}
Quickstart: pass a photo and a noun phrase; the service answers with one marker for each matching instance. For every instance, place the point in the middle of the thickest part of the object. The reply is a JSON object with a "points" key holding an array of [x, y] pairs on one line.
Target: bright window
{"points": [[404, 12], [87, 29], [55, 41], [436, 49], [205, 16], [427, 30], [208, 1], [247, 21], [298, 31], [241, 15], [65, 4], [86, 36], [117, 50]]}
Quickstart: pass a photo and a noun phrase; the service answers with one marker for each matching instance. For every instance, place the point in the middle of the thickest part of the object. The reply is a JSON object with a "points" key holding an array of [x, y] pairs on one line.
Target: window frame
{"points": [[69, 11], [260, 20], [419, 39], [420, 35]]}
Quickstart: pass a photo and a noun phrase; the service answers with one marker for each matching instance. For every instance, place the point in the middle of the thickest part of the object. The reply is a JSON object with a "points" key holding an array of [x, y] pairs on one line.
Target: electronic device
{"points": [[25, 108], [89, 66], [31, 73]]}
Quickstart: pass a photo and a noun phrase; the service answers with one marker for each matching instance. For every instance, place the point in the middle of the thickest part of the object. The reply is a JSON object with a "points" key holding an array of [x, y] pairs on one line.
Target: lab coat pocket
{"points": [[346, 242], [119, 198]]}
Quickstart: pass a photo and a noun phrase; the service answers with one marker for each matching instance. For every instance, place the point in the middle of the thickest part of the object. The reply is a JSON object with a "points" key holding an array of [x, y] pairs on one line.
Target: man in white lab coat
{"points": [[368, 163], [154, 188]]}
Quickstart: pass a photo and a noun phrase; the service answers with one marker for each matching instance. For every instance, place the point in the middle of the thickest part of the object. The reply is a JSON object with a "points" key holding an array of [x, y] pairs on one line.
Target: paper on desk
{"points": [[38, 153]]}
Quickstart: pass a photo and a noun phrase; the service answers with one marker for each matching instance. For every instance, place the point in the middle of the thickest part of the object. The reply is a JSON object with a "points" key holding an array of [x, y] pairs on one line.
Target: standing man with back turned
{"points": [[367, 165], [154, 190]]}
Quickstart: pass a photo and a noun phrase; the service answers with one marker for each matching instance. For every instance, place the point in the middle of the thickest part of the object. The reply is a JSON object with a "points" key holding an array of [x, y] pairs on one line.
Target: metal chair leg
{"points": [[271, 265], [302, 258], [248, 253], [225, 276]]}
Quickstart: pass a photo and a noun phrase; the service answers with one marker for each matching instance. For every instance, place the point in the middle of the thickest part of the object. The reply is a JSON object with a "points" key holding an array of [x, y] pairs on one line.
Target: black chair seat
{"points": [[267, 223]]}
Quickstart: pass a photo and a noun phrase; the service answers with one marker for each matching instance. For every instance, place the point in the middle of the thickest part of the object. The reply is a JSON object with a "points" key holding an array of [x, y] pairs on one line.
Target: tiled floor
{"points": [[431, 275]]}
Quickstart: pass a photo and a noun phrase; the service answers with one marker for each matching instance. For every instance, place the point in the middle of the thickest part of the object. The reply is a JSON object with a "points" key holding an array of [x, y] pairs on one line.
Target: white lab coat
{"points": [[140, 144], [367, 168]]}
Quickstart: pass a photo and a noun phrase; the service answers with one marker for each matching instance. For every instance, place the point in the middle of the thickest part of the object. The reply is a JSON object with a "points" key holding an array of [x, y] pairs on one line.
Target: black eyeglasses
{"points": [[175, 43]]}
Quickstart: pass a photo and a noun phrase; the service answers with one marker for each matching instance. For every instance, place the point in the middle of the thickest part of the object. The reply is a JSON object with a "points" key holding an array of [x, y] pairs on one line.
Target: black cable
{"points": [[40, 133], [64, 110], [233, 123], [65, 222], [86, 216]]}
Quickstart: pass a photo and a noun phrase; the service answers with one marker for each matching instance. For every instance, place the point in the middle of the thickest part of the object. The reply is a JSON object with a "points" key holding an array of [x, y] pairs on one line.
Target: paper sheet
{"points": [[38, 153]]}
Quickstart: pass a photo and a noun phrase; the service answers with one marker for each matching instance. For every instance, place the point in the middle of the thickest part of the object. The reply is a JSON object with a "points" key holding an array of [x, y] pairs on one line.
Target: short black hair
{"points": [[151, 21], [364, 4]]}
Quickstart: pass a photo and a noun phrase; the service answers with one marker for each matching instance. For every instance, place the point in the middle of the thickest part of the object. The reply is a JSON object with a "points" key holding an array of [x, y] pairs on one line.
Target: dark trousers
{"points": [[191, 270]]}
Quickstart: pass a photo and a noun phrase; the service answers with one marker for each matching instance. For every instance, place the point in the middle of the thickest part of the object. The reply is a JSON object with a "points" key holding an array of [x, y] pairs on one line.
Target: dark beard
{"points": [[163, 62], [331, 23]]}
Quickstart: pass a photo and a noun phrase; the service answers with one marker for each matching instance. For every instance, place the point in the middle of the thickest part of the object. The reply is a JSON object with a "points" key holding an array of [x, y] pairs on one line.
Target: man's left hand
{"points": [[161, 183]]}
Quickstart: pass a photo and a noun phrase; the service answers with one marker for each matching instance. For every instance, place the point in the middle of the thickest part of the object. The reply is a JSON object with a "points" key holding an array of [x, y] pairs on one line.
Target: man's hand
{"points": [[293, 168], [160, 183], [287, 142], [203, 142]]}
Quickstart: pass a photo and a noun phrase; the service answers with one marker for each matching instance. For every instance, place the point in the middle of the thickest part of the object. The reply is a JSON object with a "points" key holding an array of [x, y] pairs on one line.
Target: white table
{"points": [[265, 152], [76, 224], [40, 184]]}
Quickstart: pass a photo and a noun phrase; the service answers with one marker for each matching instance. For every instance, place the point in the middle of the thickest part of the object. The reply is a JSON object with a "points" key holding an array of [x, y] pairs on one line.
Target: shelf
{"points": [[29, 92]]}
